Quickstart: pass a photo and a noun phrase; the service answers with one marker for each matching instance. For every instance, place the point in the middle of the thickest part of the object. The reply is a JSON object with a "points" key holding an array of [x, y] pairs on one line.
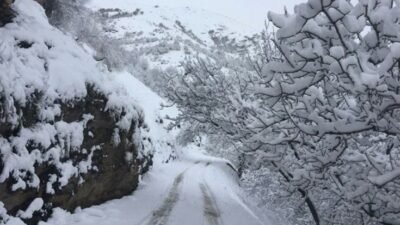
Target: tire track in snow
{"points": [[161, 215], [211, 211]]}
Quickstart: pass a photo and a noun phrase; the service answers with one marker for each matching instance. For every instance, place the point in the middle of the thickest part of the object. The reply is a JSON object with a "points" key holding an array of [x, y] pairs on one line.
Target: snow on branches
{"points": [[321, 106], [339, 82]]}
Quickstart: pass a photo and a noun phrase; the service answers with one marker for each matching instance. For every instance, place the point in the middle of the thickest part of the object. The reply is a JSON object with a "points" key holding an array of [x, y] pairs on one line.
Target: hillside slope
{"points": [[69, 134], [165, 34]]}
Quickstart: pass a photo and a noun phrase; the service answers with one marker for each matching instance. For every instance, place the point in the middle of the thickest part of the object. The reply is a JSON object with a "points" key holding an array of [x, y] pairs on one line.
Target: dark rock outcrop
{"points": [[113, 177], [72, 142], [6, 13]]}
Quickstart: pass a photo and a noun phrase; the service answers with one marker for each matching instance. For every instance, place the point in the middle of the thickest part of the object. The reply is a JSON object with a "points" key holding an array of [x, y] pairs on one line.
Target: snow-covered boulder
{"points": [[69, 134]]}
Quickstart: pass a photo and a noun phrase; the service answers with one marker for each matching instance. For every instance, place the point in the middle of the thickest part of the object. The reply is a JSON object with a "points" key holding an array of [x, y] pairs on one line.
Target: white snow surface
{"points": [[199, 19], [250, 13], [162, 139], [162, 198], [36, 205]]}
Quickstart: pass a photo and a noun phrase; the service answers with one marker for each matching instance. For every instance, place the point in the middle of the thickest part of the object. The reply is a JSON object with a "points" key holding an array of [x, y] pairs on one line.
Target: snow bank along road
{"points": [[186, 192]]}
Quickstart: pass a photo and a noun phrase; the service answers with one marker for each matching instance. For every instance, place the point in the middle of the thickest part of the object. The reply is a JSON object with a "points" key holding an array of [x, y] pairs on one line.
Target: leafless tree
{"points": [[319, 103]]}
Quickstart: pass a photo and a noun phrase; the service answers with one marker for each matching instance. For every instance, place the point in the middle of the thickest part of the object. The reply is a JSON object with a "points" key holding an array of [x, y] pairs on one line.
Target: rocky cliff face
{"points": [[69, 135], [6, 14], [114, 170]]}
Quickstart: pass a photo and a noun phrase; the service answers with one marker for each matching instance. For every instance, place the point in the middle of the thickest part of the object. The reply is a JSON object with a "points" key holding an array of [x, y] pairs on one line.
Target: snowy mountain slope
{"points": [[166, 34], [149, 14]]}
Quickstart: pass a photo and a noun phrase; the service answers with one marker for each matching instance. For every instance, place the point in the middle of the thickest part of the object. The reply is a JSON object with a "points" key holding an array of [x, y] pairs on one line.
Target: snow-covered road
{"points": [[185, 192], [194, 189]]}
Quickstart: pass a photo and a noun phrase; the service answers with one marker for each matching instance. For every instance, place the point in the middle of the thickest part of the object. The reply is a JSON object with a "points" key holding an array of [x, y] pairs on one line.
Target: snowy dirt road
{"points": [[187, 192], [160, 216]]}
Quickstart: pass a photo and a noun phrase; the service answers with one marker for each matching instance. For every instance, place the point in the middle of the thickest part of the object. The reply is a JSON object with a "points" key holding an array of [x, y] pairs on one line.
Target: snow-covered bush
{"points": [[321, 108]]}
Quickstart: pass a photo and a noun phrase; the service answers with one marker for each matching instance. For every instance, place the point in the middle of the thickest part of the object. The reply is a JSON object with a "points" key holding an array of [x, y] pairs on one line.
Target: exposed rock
{"points": [[68, 134], [6, 13], [114, 176]]}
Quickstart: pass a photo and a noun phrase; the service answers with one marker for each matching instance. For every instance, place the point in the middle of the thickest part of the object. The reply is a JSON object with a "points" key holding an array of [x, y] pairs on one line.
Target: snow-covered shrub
{"points": [[320, 108], [338, 83]]}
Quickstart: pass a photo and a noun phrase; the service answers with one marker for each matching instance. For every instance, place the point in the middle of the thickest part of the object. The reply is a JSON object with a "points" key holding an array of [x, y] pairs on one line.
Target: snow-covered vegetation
{"points": [[318, 105]]}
